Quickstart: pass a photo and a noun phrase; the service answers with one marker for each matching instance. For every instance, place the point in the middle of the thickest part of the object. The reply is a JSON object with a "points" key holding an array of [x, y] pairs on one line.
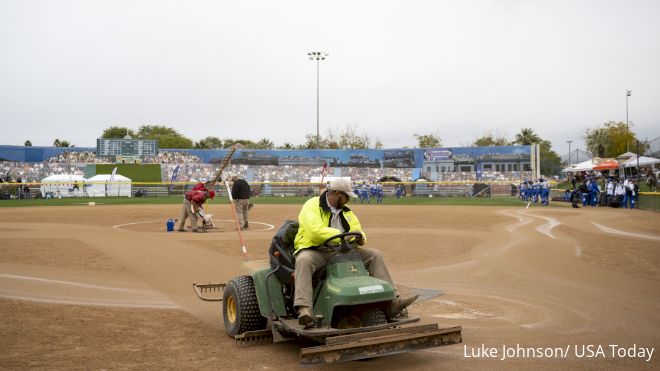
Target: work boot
{"points": [[250, 206], [305, 316], [399, 304], [245, 226]]}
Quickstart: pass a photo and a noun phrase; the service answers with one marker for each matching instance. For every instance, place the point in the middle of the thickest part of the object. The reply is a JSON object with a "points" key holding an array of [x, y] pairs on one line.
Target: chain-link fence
{"points": [[649, 201], [653, 148]]}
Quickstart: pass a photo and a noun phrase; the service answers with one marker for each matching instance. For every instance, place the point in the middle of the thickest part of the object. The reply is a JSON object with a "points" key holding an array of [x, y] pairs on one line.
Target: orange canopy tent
{"points": [[606, 164]]}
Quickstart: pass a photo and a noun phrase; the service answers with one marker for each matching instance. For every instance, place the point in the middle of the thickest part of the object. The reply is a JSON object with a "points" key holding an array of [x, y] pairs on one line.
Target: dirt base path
{"points": [[108, 287]]}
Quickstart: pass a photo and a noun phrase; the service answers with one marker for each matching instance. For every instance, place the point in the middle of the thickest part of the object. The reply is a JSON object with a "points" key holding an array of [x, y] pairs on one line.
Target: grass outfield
{"points": [[453, 201]]}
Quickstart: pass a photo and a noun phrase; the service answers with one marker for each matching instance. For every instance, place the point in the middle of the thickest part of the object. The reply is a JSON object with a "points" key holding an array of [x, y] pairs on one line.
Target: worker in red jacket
{"points": [[192, 202]]}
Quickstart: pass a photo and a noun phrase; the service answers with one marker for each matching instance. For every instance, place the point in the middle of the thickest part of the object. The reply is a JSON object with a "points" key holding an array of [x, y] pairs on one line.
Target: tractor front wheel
{"points": [[240, 309]]}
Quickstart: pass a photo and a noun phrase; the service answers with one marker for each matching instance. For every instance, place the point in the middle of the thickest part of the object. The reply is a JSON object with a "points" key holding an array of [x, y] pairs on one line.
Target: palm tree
{"points": [[526, 137], [265, 143]]}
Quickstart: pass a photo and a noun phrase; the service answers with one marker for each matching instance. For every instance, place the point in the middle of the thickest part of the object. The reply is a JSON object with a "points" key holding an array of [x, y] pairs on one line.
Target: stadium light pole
{"points": [[627, 125], [318, 57], [569, 152]]}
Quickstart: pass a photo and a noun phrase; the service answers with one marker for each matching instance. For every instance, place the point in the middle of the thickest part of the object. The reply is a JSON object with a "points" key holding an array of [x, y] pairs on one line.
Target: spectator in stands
{"points": [[321, 218], [192, 202], [240, 192]]}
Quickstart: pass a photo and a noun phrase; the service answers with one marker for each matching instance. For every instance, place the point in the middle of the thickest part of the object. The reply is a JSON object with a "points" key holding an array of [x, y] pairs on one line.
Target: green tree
{"points": [[28, 143], [151, 131], [173, 141], [287, 145], [245, 143], [428, 140], [346, 138], [117, 132], [61, 143], [550, 160], [490, 140], [166, 137], [526, 137], [265, 143], [310, 142], [611, 139], [209, 143]]}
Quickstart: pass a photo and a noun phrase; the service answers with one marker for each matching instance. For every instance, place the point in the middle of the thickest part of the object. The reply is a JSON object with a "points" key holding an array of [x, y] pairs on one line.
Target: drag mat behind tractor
{"points": [[378, 343]]}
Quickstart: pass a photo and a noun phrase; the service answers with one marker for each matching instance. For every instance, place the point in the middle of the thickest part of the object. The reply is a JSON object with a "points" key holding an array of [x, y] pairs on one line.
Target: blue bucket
{"points": [[170, 225]]}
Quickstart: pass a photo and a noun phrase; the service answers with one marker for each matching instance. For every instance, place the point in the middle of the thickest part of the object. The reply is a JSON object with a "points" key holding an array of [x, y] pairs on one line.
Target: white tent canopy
{"points": [[643, 161], [62, 185], [100, 186], [582, 166]]}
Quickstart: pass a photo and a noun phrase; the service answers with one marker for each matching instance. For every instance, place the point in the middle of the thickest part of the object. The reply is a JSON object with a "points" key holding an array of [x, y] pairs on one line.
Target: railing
{"points": [[265, 189]]}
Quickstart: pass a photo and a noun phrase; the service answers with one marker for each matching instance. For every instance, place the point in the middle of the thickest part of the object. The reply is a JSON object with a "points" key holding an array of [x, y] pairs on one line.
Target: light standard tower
{"points": [[318, 57], [627, 127], [569, 152]]}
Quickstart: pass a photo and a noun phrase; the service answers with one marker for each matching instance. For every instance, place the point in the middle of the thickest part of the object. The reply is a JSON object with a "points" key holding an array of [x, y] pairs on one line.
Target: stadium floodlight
{"points": [[318, 57], [569, 152]]}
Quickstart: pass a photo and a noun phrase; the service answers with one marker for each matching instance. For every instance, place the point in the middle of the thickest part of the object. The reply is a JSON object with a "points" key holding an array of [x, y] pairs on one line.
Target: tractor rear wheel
{"points": [[374, 317], [240, 309]]}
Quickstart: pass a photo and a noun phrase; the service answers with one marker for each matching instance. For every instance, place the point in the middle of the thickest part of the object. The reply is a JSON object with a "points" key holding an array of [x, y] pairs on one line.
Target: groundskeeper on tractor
{"points": [[350, 307]]}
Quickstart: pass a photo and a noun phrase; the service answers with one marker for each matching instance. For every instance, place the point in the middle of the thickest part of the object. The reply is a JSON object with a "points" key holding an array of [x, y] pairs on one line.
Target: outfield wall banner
{"points": [[366, 158]]}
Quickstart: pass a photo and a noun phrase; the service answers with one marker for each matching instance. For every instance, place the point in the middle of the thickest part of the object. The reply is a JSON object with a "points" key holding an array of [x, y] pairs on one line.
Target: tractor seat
{"points": [[282, 259]]}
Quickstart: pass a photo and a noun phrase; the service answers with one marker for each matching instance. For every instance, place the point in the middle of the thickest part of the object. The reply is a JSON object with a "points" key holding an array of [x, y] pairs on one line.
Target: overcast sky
{"points": [[239, 69]]}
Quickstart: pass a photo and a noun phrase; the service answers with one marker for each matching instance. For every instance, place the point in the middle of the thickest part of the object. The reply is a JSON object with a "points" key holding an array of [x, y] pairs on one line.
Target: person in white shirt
{"points": [[619, 192], [609, 191]]}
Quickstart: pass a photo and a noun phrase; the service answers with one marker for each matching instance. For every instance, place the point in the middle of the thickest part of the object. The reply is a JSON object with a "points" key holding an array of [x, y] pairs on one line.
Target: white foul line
{"points": [[622, 233], [77, 284], [91, 303], [125, 224], [269, 226]]}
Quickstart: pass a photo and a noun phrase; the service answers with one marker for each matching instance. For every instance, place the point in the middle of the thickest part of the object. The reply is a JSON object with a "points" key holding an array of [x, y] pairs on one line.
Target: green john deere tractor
{"points": [[350, 307]]}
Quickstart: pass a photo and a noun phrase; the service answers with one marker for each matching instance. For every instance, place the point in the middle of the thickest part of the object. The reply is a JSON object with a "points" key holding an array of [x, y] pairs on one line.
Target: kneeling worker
{"points": [[192, 202], [321, 218]]}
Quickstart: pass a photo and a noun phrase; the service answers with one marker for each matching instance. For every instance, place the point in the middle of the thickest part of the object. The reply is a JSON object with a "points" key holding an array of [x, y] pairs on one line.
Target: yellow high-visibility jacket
{"points": [[315, 227]]}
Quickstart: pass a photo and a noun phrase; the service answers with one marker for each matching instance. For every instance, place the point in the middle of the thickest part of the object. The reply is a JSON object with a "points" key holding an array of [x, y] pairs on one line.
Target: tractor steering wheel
{"points": [[344, 246]]}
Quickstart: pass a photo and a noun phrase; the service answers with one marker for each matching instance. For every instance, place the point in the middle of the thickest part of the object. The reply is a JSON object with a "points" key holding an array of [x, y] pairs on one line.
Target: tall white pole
{"points": [[318, 57], [318, 136], [627, 125]]}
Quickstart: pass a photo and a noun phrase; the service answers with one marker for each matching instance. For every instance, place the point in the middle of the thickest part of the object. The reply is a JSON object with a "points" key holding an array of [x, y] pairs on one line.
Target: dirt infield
{"points": [[107, 287]]}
